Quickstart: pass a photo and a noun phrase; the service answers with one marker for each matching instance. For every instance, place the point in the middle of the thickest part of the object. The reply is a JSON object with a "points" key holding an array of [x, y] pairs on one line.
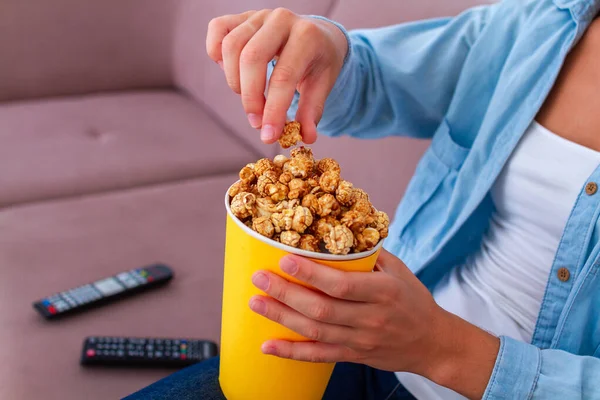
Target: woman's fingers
{"points": [[218, 28], [254, 59]]}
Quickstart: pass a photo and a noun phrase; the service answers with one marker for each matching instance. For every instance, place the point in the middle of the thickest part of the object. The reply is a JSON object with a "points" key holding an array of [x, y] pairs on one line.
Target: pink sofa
{"points": [[118, 139]]}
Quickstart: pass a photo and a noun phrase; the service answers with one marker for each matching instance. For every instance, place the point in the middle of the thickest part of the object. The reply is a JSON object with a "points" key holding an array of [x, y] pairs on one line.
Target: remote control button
{"points": [[120, 353], [114, 346], [158, 354], [46, 302], [176, 341], [175, 348], [175, 354], [149, 347], [121, 340], [183, 356], [167, 354], [90, 353], [99, 346], [150, 278], [92, 340], [52, 310], [167, 342]]}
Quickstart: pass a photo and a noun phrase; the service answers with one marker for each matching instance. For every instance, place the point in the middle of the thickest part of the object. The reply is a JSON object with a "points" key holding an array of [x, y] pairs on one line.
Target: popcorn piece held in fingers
{"points": [[291, 135]]}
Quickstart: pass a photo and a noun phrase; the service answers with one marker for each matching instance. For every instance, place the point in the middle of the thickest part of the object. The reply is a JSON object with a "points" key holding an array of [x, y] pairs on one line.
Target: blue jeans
{"points": [[348, 382]]}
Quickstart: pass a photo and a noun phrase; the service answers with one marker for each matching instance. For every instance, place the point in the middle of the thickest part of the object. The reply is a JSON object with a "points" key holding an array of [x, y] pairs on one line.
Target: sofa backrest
{"points": [[62, 47]]}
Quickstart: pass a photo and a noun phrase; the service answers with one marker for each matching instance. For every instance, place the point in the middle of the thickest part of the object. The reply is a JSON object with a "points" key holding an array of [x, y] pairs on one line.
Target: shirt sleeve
{"points": [[523, 371], [399, 80]]}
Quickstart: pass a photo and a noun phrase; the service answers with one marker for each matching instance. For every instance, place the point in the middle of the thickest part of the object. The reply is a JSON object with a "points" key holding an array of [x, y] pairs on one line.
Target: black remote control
{"points": [[145, 352], [103, 291]]}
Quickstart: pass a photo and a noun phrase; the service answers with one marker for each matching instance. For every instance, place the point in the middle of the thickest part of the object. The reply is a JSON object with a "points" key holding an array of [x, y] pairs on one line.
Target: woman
{"points": [[490, 288]]}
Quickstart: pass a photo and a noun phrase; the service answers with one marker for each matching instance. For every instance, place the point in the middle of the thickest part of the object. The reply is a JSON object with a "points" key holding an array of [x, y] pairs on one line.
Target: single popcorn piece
{"points": [[286, 177], [263, 165], [282, 221], [366, 240], [329, 181], [309, 243], [288, 204], [302, 219], [360, 194], [291, 135], [247, 174], [301, 163], [322, 226], [313, 180], [298, 188], [312, 203], [264, 226], [356, 221], [280, 160], [328, 205], [339, 240], [265, 207], [266, 179], [381, 223], [328, 164], [362, 206], [238, 187], [277, 191], [345, 193], [291, 238], [242, 205]]}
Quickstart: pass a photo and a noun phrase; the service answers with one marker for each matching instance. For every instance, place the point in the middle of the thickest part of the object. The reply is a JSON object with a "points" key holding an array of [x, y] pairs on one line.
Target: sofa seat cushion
{"points": [[57, 245], [79, 145]]}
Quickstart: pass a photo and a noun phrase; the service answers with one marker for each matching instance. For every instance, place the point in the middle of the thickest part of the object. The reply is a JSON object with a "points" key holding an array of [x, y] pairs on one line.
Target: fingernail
{"points": [[261, 281], [267, 133], [288, 265], [255, 120], [268, 349], [220, 64], [258, 306]]}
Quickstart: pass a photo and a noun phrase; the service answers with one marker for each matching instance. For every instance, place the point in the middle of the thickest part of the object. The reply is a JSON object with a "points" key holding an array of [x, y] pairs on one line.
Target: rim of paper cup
{"points": [[294, 250]]}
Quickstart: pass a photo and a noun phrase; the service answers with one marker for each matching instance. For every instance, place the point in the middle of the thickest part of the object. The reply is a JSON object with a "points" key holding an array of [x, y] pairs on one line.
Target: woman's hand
{"points": [[386, 319], [309, 52]]}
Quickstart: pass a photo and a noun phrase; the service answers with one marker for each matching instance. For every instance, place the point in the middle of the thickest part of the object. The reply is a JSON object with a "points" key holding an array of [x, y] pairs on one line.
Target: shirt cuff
{"points": [[516, 371]]}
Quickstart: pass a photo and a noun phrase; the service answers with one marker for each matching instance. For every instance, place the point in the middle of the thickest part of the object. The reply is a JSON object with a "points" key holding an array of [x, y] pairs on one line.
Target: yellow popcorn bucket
{"points": [[245, 372]]}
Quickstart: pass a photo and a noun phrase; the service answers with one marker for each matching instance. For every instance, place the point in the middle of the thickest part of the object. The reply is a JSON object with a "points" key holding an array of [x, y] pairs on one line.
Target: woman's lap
{"points": [[200, 381]]}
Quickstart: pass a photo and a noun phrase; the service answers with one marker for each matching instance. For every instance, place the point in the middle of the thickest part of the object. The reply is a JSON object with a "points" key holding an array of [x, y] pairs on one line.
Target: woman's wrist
{"points": [[461, 357]]}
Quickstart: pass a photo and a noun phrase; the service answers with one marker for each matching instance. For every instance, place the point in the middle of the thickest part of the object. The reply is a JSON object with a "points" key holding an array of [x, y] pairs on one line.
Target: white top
{"points": [[500, 287]]}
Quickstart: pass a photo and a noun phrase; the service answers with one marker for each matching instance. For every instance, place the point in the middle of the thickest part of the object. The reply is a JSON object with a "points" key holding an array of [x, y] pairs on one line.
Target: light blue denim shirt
{"points": [[473, 84]]}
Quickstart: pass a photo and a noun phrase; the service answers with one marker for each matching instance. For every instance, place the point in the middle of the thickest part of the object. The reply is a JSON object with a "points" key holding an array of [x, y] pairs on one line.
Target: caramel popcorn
{"points": [[328, 164], [303, 203], [302, 219], [323, 226], [329, 181], [298, 188], [301, 163], [264, 226], [309, 243], [328, 205], [280, 160], [263, 165], [282, 221], [291, 238], [356, 221], [291, 135], [339, 240], [345, 193], [242, 205], [381, 223], [238, 187], [247, 174], [366, 240]]}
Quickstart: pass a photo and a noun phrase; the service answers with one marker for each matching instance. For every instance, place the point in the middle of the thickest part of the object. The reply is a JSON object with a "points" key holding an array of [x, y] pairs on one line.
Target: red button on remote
{"points": [[183, 357], [91, 353], [150, 279], [52, 310]]}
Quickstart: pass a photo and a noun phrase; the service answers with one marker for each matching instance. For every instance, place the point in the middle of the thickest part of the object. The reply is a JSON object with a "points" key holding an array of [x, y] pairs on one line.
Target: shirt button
{"points": [[563, 274], [591, 188]]}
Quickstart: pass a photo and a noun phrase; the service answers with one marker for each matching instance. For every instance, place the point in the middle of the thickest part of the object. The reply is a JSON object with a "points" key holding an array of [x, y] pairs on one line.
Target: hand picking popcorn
{"points": [[305, 203]]}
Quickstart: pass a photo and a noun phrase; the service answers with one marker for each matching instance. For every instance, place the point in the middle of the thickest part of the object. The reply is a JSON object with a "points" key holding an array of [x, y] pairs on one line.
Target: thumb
{"points": [[392, 265], [313, 94]]}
